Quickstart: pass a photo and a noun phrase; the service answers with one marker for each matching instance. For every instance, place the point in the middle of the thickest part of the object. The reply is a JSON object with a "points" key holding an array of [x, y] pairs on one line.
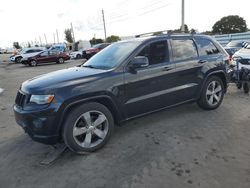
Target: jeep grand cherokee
{"points": [[80, 105]]}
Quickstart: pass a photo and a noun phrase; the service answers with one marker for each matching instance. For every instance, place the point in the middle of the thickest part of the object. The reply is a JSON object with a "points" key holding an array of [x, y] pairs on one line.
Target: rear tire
{"points": [[88, 127], [60, 60], [78, 56], [212, 93], [239, 85], [246, 87]]}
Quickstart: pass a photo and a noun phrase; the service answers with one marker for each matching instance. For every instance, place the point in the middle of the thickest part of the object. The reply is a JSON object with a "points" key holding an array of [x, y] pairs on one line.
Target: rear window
{"points": [[183, 49], [235, 44], [206, 47]]}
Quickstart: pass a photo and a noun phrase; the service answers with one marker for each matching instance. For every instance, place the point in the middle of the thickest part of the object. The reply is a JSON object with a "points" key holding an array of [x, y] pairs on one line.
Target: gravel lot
{"points": [[177, 148]]}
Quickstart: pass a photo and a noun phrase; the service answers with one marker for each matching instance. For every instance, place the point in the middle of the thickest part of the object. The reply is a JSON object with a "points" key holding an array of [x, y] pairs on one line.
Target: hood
{"points": [[61, 78], [244, 53]]}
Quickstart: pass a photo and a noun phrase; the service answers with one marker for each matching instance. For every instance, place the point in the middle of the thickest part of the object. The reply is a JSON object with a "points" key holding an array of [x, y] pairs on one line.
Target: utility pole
{"points": [[54, 38], [40, 40], [183, 17], [72, 31], [45, 39], [57, 36], [104, 25]]}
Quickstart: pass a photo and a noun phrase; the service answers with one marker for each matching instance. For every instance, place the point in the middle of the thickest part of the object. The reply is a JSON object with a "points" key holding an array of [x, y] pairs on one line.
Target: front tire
{"points": [[33, 63], [212, 93], [88, 128], [18, 59]]}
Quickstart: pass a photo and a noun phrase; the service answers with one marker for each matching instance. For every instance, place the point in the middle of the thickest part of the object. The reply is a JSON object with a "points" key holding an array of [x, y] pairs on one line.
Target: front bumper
{"points": [[40, 125], [13, 58]]}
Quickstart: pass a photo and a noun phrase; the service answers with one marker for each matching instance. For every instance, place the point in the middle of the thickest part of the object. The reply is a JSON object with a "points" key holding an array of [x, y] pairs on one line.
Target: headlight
{"points": [[42, 99]]}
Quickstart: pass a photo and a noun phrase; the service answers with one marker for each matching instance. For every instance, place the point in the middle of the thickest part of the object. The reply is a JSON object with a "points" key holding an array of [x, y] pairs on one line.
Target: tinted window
{"points": [[113, 55], [156, 52], [44, 54], [206, 47], [29, 51], [53, 52], [183, 49]]}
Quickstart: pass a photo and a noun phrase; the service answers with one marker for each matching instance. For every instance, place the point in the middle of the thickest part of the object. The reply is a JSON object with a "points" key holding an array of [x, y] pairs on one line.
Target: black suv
{"points": [[79, 106]]}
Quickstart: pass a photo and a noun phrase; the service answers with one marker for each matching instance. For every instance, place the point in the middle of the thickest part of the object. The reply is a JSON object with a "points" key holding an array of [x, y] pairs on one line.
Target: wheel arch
{"points": [[107, 101], [221, 75]]}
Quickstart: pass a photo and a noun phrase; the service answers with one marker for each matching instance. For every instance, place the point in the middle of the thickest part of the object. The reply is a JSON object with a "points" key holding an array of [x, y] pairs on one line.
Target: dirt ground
{"points": [[175, 148]]}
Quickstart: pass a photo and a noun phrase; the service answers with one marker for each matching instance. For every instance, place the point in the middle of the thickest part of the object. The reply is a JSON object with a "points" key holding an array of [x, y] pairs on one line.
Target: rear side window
{"points": [[29, 51], [183, 49], [156, 52], [206, 47]]}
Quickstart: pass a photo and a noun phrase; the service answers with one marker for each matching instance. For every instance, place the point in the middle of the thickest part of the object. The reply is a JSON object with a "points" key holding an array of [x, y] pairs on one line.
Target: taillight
{"points": [[227, 59]]}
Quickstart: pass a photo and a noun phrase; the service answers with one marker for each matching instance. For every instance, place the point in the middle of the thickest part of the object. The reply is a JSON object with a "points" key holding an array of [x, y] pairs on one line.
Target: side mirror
{"points": [[139, 62]]}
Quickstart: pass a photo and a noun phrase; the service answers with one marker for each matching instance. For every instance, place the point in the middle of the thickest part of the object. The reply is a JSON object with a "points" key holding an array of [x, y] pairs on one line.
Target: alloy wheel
{"points": [[90, 129], [214, 93], [61, 60]]}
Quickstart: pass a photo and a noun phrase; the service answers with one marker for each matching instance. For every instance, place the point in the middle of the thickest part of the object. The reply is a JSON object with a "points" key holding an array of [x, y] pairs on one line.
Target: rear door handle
{"points": [[202, 61], [167, 68]]}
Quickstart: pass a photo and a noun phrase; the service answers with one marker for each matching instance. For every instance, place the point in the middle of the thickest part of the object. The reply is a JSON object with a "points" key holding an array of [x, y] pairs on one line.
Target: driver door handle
{"points": [[167, 68], [202, 61]]}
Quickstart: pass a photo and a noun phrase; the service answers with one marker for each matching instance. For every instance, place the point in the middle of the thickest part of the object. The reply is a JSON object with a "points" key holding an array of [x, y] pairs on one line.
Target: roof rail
{"points": [[164, 32]]}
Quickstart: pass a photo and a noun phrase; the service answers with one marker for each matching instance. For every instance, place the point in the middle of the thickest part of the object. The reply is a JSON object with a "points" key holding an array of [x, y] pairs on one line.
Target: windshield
{"points": [[112, 56], [23, 51], [234, 44]]}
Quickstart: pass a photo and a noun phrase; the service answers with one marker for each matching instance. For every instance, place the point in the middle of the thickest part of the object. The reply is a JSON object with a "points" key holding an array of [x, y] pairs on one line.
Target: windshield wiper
{"points": [[89, 66]]}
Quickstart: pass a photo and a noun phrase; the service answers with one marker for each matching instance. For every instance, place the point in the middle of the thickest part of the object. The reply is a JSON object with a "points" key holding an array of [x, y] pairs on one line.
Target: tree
{"points": [[94, 41], [16, 45], [68, 35], [113, 38], [206, 32], [230, 24], [186, 30]]}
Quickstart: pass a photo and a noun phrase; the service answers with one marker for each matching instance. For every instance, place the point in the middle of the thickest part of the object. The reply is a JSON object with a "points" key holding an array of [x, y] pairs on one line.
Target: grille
{"points": [[20, 99]]}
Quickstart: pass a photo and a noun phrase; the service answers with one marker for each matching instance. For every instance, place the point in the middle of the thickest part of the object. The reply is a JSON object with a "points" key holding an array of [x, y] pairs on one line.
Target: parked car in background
{"points": [[234, 46], [57, 47], [88, 53], [45, 57], [3, 51], [80, 105], [243, 57], [26, 52], [76, 54]]}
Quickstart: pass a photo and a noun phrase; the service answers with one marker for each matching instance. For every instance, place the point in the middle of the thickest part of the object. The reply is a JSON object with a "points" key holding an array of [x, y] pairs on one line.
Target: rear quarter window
{"points": [[183, 49], [206, 47]]}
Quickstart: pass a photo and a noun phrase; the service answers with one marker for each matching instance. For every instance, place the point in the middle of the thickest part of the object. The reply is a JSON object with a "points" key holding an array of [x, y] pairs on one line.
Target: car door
{"points": [[53, 56], [188, 65], [43, 57], [149, 88]]}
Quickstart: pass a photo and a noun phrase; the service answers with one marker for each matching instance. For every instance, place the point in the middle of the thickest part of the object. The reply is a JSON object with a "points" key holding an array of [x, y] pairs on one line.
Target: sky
{"points": [[29, 20]]}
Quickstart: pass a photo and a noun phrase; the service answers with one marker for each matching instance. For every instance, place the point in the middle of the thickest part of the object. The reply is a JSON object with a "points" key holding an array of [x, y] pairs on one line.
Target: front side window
{"points": [[156, 52], [44, 54], [206, 47], [183, 49]]}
